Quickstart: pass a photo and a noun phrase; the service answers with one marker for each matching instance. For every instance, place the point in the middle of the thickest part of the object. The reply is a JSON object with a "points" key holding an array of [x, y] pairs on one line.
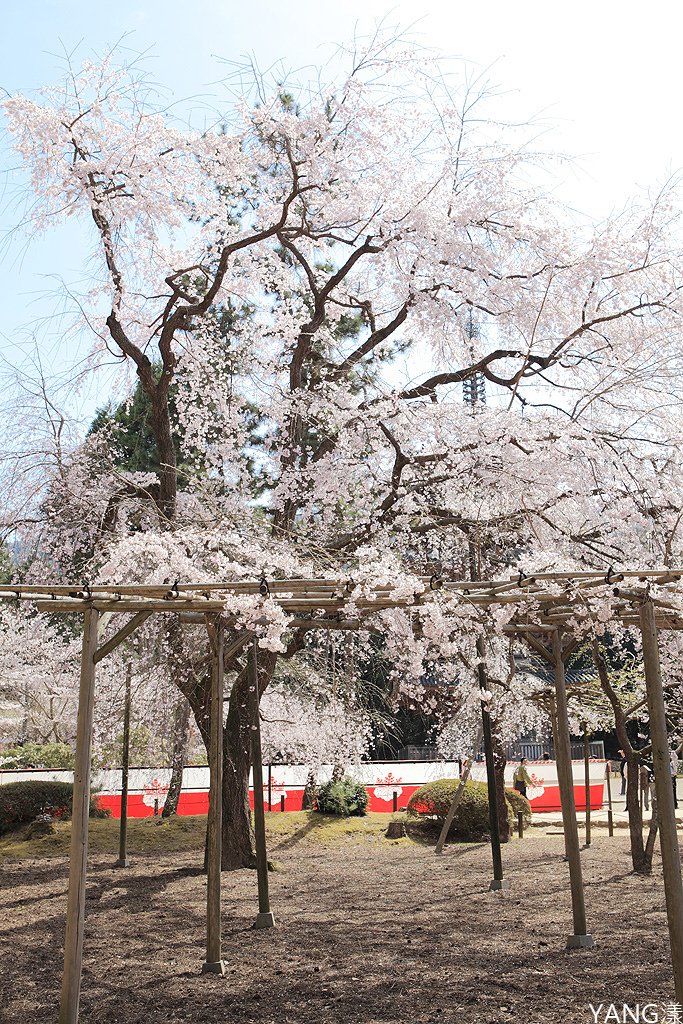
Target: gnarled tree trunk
{"points": [[238, 833], [635, 820], [181, 733]]}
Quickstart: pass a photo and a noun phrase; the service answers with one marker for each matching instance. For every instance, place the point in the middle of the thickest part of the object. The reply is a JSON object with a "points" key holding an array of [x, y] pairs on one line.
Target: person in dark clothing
{"points": [[622, 771], [521, 778], [673, 763]]}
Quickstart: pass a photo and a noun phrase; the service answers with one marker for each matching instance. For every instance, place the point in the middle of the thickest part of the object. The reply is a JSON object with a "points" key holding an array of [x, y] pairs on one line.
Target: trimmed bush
{"points": [[341, 796], [21, 802], [517, 803], [432, 802]]}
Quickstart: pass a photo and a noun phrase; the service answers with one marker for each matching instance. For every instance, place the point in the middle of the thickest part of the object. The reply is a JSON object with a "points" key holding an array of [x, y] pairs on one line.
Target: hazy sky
{"points": [[606, 74]]}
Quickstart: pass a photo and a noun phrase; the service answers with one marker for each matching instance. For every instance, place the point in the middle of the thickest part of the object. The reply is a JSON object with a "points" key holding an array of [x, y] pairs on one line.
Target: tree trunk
{"points": [[651, 836], [163, 435], [181, 734], [499, 762], [309, 792], [238, 833], [635, 820]]}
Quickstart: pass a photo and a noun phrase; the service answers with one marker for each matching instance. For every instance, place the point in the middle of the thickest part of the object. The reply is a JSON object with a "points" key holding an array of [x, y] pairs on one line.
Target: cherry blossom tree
{"points": [[276, 269]]}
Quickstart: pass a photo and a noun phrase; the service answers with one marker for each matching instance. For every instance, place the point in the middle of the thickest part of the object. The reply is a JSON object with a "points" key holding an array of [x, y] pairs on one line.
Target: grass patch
{"points": [[145, 836], [150, 836]]}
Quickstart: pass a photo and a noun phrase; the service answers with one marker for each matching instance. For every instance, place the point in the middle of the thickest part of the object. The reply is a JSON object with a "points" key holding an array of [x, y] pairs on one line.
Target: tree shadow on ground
{"points": [[315, 821]]}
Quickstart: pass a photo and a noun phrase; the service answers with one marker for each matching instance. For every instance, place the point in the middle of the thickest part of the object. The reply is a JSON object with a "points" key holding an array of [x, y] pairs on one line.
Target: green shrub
{"points": [[24, 801], [341, 796], [517, 803], [37, 755], [432, 802]]}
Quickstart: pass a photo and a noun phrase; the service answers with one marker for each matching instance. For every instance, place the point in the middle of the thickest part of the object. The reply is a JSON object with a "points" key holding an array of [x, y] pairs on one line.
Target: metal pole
{"points": [[671, 861], [213, 963], [123, 861], [587, 783], [498, 881], [264, 918], [75, 914], [563, 755]]}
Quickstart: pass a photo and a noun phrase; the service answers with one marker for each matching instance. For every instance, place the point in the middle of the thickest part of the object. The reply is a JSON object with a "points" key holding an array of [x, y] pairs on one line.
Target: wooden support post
{"points": [[282, 803], [395, 799], [270, 787], [520, 824], [498, 881], [587, 782], [264, 918], [455, 803], [610, 817], [75, 913], [671, 862], [213, 963], [123, 861], [563, 756]]}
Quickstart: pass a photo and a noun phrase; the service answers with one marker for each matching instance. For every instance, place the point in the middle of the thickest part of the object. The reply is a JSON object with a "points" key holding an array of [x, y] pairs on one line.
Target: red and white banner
{"points": [[147, 786], [544, 792]]}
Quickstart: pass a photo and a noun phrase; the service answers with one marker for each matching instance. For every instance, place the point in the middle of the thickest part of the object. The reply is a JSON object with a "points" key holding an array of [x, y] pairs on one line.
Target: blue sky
{"points": [[606, 75]]}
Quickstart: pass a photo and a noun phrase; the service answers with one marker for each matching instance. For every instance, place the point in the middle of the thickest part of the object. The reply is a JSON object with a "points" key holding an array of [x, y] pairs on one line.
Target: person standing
{"points": [[521, 778], [644, 773], [622, 771], [673, 762]]}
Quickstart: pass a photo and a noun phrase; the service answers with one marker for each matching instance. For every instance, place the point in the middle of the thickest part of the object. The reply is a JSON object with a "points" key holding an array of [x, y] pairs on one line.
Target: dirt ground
{"points": [[369, 931]]}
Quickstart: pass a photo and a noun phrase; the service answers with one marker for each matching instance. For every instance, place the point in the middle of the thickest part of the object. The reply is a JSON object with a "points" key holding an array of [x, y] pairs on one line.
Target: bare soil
{"points": [[369, 931]]}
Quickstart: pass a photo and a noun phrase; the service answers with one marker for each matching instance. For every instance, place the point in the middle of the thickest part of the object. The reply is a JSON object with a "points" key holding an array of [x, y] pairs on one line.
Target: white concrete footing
{"points": [[213, 967], [579, 941]]}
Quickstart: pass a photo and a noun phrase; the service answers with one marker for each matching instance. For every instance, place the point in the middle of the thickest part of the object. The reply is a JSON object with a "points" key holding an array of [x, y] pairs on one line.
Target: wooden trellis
{"points": [[546, 610]]}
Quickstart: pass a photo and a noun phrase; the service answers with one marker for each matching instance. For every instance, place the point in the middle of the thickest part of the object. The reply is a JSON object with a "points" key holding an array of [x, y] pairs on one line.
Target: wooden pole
{"points": [[671, 862], [264, 918], [455, 803], [563, 756], [587, 782], [270, 787], [610, 817], [214, 963], [123, 861], [498, 881], [75, 913]]}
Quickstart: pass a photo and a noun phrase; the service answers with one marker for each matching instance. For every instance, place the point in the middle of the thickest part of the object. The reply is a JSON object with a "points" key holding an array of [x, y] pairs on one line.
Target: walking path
{"points": [[599, 817]]}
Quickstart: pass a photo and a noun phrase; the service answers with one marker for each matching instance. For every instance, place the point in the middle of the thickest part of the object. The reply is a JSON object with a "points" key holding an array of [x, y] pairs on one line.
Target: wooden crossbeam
{"points": [[119, 637], [540, 602]]}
